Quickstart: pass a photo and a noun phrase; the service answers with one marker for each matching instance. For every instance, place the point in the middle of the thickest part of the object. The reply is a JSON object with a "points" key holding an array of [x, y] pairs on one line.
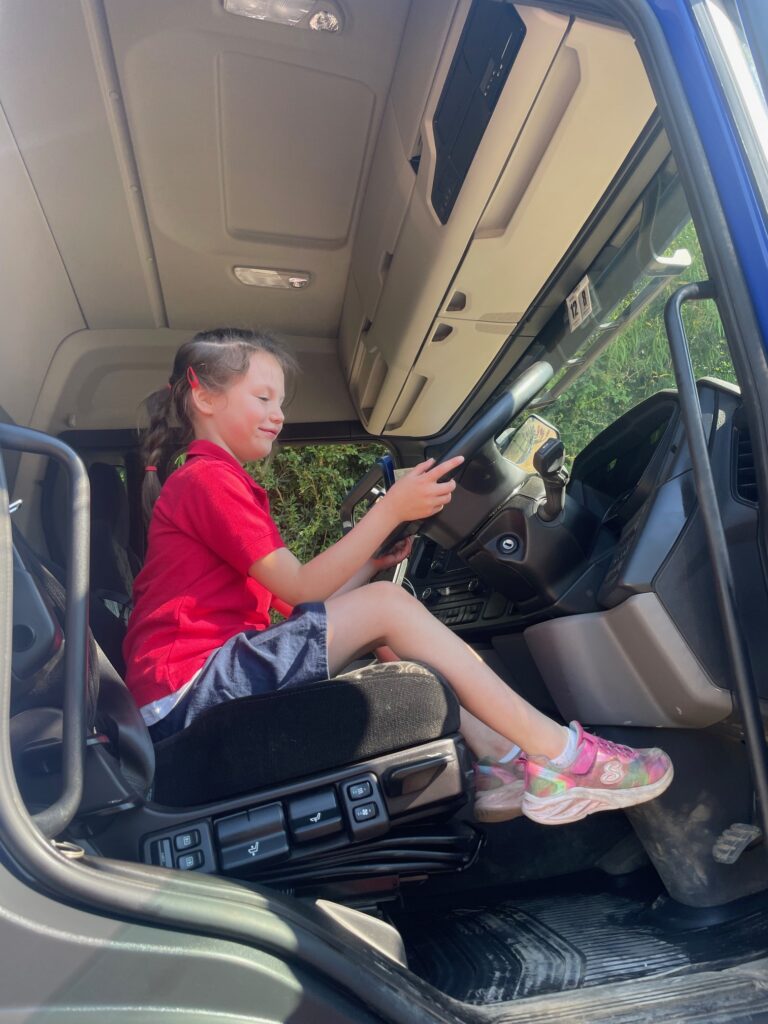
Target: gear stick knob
{"points": [[549, 463]]}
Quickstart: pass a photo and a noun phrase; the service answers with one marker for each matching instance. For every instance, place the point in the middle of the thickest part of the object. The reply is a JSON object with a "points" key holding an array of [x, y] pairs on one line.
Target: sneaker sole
{"points": [[489, 811], [578, 803], [492, 814]]}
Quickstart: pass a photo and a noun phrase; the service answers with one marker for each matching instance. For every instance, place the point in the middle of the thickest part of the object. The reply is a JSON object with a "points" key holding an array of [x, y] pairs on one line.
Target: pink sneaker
{"points": [[499, 789], [603, 776]]}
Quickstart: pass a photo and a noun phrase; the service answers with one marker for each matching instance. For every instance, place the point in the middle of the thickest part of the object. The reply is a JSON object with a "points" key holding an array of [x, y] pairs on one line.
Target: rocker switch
{"points": [[187, 840], [365, 808], [251, 838], [364, 812], [190, 861], [359, 790], [314, 816]]}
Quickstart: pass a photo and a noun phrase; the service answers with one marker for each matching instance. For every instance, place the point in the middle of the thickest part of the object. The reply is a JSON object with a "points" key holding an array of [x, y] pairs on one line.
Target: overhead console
{"points": [[473, 200], [491, 40]]}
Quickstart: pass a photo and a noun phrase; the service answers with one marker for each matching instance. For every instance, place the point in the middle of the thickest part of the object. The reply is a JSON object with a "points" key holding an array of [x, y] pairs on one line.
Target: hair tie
{"points": [[150, 469], [192, 378]]}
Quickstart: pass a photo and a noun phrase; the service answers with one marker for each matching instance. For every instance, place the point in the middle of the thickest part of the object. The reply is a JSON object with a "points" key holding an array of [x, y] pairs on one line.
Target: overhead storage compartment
{"points": [[489, 44], [575, 100]]}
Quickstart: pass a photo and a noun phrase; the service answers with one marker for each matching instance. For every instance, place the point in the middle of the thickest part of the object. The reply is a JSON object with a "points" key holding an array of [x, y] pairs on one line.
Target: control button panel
{"points": [[350, 810], [187, 847], [455, 595], [461, 614], [314, 816], [365, 808], [252, 837]]}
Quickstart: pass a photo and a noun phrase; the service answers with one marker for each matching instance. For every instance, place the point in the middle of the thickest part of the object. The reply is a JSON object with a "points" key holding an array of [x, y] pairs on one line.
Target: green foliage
{"points": [[306, 486], [637, 363]]}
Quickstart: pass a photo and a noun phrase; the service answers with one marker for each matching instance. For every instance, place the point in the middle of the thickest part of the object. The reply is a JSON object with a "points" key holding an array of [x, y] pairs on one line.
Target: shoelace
{"points": [[618, 749]]}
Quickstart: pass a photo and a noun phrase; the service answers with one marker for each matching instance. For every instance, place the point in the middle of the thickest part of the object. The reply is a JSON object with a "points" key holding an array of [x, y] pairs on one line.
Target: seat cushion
{"points": [[247, 744]]}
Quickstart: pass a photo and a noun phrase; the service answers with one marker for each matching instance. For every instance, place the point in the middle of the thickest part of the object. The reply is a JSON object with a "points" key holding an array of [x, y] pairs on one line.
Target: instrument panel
{"points": [[638, 530]]}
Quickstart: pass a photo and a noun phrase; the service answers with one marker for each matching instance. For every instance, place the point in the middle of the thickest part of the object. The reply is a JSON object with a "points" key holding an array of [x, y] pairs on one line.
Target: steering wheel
{"points": [[490, 422]]}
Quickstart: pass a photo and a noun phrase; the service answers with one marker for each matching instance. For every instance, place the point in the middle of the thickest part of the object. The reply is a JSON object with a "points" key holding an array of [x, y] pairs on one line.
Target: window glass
{"points": [[727, 26], [624, 356], [306, 485]]}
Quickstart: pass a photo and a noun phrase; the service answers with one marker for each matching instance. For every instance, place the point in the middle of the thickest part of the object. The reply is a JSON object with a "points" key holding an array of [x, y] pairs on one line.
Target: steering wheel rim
{"points": [[508, 404]]}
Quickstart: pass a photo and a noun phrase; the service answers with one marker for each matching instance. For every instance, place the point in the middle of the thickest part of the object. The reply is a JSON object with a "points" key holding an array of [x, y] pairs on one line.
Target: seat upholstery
{"points": [[112, 564], [254, 742]]}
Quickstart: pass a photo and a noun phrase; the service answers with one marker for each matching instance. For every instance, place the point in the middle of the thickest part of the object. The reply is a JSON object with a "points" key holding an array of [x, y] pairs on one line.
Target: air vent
{"points": [[744, 470]]}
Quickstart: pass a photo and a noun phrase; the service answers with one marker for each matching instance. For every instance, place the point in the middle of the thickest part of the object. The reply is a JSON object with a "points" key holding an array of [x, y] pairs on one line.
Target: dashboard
{"points": [[453, 591], [630, 527]]}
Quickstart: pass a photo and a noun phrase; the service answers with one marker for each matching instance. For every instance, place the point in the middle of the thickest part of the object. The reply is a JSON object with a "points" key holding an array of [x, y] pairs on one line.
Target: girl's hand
{"points": [[420, 493], [400, 551]]}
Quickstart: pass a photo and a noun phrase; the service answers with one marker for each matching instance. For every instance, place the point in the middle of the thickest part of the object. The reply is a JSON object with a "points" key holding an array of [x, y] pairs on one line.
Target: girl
{"points": [[216, 564]]}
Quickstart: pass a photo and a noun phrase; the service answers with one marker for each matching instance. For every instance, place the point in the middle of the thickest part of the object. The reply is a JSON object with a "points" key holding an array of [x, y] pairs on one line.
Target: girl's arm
{"points": [[375, 565], [417, 495], [359, 579]]}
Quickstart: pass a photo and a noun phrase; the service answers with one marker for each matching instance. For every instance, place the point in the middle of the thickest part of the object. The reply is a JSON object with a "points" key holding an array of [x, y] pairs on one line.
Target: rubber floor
{"points": [[525, 947]]}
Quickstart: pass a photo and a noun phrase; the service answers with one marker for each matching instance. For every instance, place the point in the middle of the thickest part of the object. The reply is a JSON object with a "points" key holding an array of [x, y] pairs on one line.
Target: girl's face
{"points": [[246, 417]]}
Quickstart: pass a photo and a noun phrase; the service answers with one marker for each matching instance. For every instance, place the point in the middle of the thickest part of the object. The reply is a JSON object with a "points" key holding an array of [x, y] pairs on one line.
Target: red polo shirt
{"points": [[209, 525]]}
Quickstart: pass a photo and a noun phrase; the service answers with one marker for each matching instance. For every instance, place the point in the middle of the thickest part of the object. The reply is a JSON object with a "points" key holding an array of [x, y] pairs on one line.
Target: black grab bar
{"points": [[713, 527], [54, 819]]}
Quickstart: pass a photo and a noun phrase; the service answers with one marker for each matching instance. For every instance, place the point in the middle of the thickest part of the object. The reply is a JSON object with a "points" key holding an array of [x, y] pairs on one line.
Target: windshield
{"points": [[618, 355]]}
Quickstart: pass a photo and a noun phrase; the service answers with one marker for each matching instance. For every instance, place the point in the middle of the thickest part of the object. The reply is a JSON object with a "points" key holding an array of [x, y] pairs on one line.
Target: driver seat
{"points": [[350, 782]]}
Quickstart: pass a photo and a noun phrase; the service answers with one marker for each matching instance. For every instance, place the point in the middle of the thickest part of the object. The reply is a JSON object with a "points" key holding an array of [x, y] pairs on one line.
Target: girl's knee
{"points": [[388, 594]]}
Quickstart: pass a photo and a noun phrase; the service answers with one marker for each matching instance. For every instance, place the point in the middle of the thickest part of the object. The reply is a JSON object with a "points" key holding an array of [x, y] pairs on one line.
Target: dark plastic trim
{"points": [[514, 397], [54, 819], [749, 703]]}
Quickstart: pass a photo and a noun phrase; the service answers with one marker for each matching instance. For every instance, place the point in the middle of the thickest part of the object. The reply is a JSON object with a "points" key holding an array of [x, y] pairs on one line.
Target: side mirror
{"points": [[520, 444]]}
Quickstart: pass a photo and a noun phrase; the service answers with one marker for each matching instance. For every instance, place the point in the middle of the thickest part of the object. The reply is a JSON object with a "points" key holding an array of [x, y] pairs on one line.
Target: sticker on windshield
{"points": [[579, 304]]}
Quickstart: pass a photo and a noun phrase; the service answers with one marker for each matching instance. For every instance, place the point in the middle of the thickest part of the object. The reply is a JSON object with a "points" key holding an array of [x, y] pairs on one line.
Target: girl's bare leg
{"points": [[382, 613], [484, 742]]}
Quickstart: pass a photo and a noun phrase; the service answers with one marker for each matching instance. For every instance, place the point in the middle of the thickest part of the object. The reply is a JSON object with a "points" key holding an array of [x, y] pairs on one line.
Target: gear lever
{"points": [[549, 463]]}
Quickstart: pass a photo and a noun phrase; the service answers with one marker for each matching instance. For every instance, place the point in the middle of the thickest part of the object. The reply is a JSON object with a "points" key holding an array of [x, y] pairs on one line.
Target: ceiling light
{"points": [[324, 20], [314, 14], [260, 277], [284, 12]]}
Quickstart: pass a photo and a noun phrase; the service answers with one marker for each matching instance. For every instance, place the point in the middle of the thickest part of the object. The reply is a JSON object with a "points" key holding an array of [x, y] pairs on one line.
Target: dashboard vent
{"points": [[746, 481]]}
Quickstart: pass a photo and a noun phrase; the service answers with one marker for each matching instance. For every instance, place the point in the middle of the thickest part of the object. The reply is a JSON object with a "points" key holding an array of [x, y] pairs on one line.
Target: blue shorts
{"points": [[292, 653]]}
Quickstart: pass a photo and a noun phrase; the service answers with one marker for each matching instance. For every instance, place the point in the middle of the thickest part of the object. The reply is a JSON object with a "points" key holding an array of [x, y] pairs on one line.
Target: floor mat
{"points": [[525, 947]]}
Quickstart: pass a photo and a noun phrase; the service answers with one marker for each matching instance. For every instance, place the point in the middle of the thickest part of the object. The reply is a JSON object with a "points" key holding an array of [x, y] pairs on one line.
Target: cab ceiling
{"points": [[147, 147], [170, 141]]}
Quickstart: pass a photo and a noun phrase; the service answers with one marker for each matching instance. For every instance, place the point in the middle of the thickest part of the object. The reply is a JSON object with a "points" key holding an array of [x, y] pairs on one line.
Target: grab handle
{"points": [[54, 819], [715, 534]]}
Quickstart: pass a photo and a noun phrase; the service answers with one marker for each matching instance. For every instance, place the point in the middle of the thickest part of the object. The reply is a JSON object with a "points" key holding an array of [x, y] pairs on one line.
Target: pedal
{"points": [[731, 843]]}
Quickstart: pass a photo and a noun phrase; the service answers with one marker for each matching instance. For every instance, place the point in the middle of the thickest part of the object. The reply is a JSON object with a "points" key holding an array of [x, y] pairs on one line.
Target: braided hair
{"points": [[214, 358]]}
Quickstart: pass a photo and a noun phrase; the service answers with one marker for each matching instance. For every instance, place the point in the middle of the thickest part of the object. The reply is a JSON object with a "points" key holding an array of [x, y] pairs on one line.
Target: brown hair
{"points": [[215, 358]]}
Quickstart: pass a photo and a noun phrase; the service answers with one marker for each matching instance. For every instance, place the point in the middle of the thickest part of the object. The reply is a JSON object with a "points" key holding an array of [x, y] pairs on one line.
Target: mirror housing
{"points": [[519, 445]]}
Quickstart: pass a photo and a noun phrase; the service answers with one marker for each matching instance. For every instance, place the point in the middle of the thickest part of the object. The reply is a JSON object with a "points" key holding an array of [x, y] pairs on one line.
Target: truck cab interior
{"points": [[468, 220]]}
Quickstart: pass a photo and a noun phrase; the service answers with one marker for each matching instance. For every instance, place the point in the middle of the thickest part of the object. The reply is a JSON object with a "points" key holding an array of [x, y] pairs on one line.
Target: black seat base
{"points": [[302, 831], [247, 744]]}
